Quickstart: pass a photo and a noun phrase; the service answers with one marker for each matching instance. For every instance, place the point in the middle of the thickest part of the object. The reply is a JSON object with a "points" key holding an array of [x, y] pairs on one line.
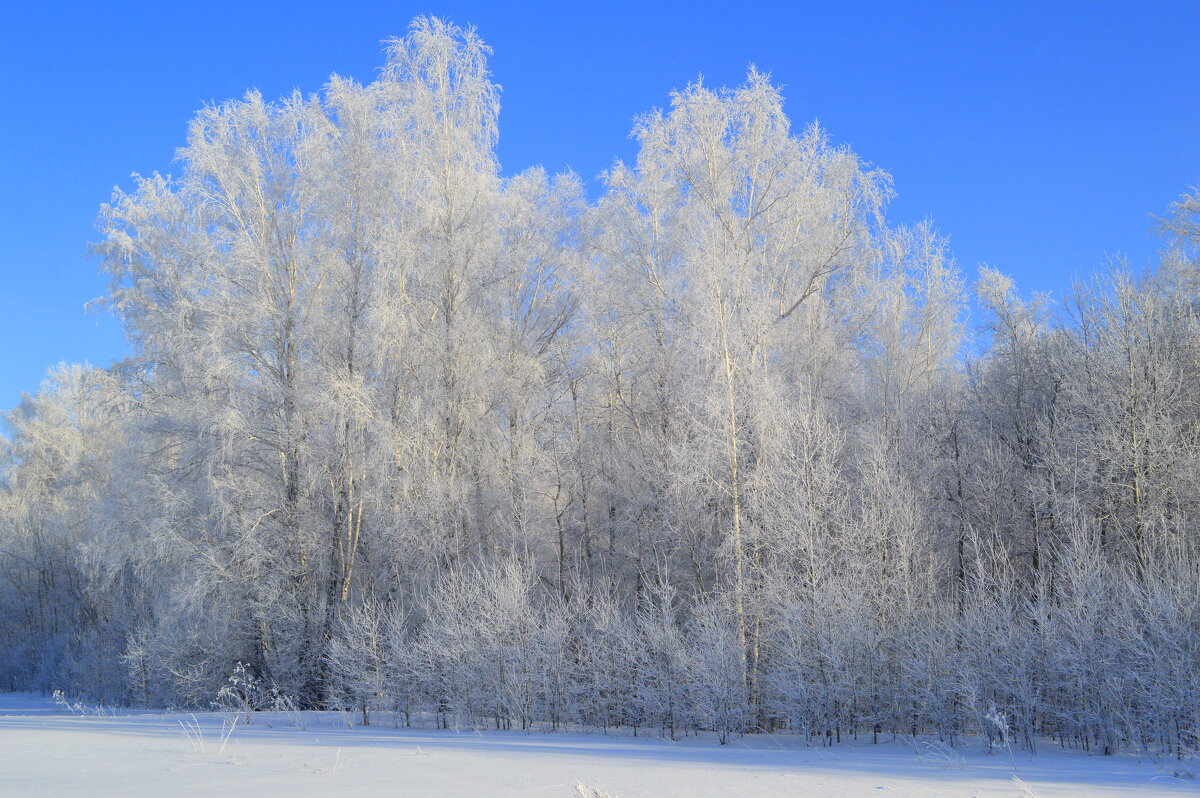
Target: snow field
{"points": [[45, 750]]}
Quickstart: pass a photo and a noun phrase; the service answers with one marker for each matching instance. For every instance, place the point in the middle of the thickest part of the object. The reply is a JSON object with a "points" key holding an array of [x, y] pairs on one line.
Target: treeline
{"points": [[717, 451]]}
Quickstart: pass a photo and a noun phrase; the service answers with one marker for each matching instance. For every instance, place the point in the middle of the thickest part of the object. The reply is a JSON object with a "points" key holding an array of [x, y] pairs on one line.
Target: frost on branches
{"points": [[403, 434]]}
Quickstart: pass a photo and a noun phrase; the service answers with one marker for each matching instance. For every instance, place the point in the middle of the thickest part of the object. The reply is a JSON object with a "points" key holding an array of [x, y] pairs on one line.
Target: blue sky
{"points": [[1039, 136]]}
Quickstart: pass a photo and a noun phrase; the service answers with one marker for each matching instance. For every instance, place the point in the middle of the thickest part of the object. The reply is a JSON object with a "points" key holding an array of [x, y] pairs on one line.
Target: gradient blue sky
{"points": [[1039, 136]]}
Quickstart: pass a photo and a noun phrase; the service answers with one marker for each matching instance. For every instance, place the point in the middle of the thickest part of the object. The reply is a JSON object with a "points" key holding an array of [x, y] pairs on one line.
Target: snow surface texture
{"points": [[46, 749]]}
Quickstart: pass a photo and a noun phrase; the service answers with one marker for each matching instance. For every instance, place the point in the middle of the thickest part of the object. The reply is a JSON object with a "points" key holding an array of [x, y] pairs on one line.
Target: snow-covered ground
{"points": [[47, 750]]}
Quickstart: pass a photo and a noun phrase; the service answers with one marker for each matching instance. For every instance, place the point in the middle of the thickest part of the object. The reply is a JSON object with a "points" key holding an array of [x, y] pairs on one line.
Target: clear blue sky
{"points": [[1040, 137]]}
